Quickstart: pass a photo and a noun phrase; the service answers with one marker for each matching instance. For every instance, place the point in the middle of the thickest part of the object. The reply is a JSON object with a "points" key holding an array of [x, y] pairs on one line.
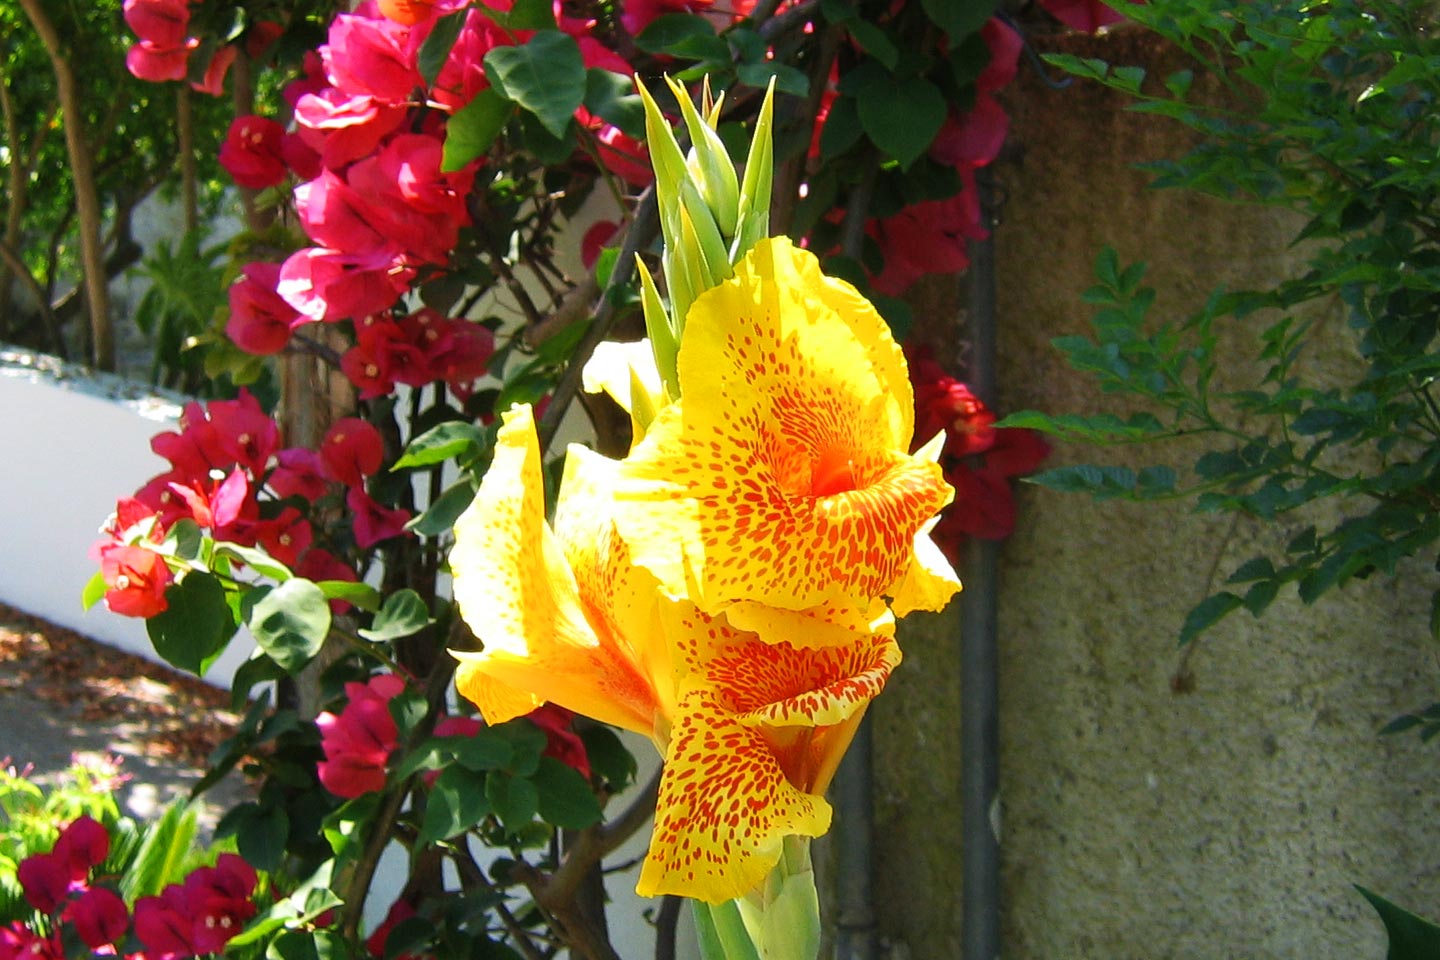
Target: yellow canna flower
{"points": [[751, 731], [781, 479]]}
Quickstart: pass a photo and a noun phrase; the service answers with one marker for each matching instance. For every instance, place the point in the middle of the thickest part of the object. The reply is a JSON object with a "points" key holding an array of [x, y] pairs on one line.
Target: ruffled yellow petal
{"points": [[828, 625], [758, 736], [517, 592], [724, 810], [781, 476]]}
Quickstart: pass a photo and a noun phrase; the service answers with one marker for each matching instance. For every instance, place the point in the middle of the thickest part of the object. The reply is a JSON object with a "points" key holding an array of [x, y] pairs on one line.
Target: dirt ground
{"points": [[63, 694]]}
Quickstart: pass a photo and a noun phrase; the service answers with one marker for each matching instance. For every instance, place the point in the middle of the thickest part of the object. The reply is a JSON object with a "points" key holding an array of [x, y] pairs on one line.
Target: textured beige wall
{"points": [[1229, 821]]}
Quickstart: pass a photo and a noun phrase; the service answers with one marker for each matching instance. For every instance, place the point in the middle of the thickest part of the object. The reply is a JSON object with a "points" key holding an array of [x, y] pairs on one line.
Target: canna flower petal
{"points": [[781, 476], [724, 809], [543, 640], [759, 732]]}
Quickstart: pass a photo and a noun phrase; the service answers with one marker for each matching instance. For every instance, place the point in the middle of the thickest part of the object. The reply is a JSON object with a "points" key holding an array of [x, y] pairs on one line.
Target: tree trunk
{"points": [[87, 201], [185, 129]]}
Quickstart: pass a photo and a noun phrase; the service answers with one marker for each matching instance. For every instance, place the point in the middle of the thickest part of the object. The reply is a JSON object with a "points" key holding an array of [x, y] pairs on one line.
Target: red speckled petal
{"points": [[518, 594], [724, 809], [758, 736], [781, 476]]}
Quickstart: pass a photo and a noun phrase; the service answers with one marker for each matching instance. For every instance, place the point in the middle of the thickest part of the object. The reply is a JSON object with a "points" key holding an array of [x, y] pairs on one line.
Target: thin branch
{"points": [[641, 231], [56, 343]]}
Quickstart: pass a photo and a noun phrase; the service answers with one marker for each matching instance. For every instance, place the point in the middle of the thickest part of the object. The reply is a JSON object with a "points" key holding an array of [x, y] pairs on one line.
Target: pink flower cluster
{"points": [[164, 46], [200, 915], [421, 348], [229, 474], [979, 460], [359, 740], [59, 885]]}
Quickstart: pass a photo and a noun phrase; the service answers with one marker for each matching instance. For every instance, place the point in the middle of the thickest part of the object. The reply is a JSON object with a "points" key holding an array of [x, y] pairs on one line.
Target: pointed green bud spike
{"points": [[665, 156], [664, 341], [681, 282], [709, 163], [713, 258], [642, 408], [759, 179]]}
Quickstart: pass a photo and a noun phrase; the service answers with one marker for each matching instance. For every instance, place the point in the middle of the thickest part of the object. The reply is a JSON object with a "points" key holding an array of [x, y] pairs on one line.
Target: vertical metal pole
{"points": [[979, 667], [854, 850], [855, 936]]}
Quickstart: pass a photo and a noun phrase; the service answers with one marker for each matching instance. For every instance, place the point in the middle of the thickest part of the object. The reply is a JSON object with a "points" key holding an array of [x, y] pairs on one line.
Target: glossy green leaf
{"points": [[436, 48], [1411, 937], [439, 518], [289, 621], [442, 442], [195, 625], [457, 801], [901, 117], [545, 75], [403, 613], [612, 97], [514, 799], [472, 129]]}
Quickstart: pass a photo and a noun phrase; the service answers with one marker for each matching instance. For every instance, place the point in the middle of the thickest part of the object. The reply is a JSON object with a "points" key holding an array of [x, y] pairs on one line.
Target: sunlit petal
{"points": [[517, 592], [725, 808], [757, 738], [781, 475]]}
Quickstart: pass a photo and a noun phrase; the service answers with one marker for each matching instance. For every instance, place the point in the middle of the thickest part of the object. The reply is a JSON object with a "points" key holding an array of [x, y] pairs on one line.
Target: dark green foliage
{"points": [[1328, 110]]}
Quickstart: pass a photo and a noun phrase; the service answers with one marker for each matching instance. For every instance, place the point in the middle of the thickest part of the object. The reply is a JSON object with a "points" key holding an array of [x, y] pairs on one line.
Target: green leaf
{"points": [[673, 32], [362, 595], [565, 798], [1206, 613], [436, 48], [441, 515], [959, 18], [261, 835], [901, 117], [184, 538], [456, 802], [545, 75], [473, 128], [440, 443], [486, 750], [612, 97], [514, 799], [404, 612], [195, 625], [1411, 937], [164, 853], [94, 590], [524, 15], [1094, 428], [256, 558], [1102, 483], [874, 41], [289, 621], [787, 78], [1257, 568], [607, 755], [1088, 68]]}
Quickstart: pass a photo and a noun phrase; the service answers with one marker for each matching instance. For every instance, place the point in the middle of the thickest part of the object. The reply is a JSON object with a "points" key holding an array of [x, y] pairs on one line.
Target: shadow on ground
{"points": [[63, 695]]}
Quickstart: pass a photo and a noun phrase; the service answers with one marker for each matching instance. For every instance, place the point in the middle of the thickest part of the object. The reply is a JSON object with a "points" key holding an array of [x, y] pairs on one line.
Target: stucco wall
{"points": [[1229, 821]]}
